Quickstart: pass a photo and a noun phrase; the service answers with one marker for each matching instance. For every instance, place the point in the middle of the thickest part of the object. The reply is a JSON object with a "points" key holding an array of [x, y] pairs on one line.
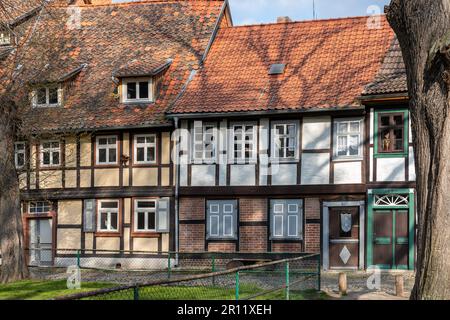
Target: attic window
{"points": [[47, 96], [277, 68], [137, 90], [5, 37]]}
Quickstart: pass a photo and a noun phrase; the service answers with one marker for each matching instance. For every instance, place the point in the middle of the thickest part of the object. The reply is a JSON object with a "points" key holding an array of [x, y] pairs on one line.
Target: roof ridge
{"points": [[305, 21], [125, 4]]}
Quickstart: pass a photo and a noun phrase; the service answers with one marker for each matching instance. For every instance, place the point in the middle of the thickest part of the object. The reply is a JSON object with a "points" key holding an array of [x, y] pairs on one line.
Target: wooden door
{"points": [[344, 237], [41, 241]]}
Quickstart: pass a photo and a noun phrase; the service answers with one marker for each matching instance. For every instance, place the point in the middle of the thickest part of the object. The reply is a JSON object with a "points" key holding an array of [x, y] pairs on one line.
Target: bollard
{"points": [[399, 286], [343, 283]]}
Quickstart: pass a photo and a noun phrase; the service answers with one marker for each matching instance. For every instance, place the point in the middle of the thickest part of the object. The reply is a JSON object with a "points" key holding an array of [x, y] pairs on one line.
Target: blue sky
{"points": [[263, 11]]}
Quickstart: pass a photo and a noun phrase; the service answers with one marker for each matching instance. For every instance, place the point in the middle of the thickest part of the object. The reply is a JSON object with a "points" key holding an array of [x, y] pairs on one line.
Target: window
{"points": [[244, 142], [50, 153], [145, 148], [19, 154], [46, 97], [348, 138], [286, 219], [108, 215], [204, 141], [391, 132], [222, 219], [39, 207], [137, 90], [107, 150], [145, 215], [5, 37], [284, 144]]}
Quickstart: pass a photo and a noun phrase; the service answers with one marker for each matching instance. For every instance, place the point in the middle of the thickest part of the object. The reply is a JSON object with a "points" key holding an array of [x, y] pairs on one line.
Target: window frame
{"points": [[137, 80], [17, 152], [243, 160], [47, 103], [146, 211], [273, 136], [45, 204], [52, 150], [6, 35], [146, 145], [336, 135], [97, 150], [285, 216], [194, 143], [101, 210], [221, 215], [377, 132]]}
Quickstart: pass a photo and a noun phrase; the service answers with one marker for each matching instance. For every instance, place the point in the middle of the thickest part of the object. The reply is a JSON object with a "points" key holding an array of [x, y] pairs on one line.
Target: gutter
{"points": [[259, 113], [384, 97]]}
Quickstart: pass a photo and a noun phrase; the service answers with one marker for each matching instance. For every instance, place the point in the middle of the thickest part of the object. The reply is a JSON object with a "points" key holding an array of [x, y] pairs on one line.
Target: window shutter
{"points": [[33, 98], [60, 96], [162, 215], [213, 214], [89, 215], [293, 218], [197, 152]]}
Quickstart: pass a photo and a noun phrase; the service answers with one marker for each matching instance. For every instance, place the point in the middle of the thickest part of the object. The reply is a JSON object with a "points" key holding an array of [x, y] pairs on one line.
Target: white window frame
{"points": [[125, 82], [275, 136], [5, 37], [17, 152], [221, 218], [106, 147], [336, 136], [242, 159], [201, 144], [47, 97], [146, 212], [145, 145], [51, 150], [41, 204], [108, 211]]}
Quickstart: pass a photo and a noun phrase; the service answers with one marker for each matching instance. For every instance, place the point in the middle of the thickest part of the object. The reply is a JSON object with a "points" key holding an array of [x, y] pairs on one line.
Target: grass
{"points": [[42, 290]]}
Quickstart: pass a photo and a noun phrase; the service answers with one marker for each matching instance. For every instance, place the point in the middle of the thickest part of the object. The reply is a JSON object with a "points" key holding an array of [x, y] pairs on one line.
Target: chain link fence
{"points": [[284, 279]]}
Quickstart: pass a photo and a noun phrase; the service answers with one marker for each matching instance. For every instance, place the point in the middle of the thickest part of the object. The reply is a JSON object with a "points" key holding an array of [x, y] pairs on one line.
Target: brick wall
{"points": [[192, 209], [192, 237], [312, 208], [286, 247], [221, 247], [253, 239], [253, 210], [312, 238]]}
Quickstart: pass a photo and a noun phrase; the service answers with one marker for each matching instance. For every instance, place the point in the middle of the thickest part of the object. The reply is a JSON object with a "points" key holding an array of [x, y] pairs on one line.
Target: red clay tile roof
{"points": [[110, 37], [328, 64], [391, 77]]}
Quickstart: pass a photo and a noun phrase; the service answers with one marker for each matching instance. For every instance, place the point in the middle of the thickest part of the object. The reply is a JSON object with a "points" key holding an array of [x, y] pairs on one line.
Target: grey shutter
{"points": [[162, 215], [229, 219], [197, 142], [222, 219], [294, 216], [277, 212], [213, 211], [89, 215]]}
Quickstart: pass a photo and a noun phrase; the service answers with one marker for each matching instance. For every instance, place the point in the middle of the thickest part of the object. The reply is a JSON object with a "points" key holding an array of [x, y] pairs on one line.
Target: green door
{"points": [[390, 239]]}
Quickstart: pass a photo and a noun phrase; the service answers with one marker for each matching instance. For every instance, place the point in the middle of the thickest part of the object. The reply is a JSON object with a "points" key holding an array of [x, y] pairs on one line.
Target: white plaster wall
{"points": [[242, 175], [411, 165], [315, 168], [284, 174], [203, 175], [390, 169], [347, 172], [316, 133]]}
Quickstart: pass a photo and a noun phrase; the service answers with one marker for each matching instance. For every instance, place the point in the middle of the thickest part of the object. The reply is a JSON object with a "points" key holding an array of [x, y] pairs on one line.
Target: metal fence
{"points": [[290, 279]]}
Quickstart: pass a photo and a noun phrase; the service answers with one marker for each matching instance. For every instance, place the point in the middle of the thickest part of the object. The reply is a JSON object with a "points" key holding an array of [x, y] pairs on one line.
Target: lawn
{"points": [[41, 290]]}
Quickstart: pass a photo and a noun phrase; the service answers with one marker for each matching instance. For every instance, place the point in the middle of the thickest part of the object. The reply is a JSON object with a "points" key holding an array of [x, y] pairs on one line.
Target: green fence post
{"points": [[136, 293], [213, 269], [237, 286], [318, 272], [169, 268], [78, 259], [287, 280]]}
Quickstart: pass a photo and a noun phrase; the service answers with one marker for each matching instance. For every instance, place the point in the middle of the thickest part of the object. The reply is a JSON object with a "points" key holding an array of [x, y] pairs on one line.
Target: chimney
{"points": [[284, 19]]}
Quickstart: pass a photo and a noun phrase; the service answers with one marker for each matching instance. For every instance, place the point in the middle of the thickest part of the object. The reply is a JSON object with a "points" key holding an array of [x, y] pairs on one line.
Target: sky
{"points": [[264, 11]]}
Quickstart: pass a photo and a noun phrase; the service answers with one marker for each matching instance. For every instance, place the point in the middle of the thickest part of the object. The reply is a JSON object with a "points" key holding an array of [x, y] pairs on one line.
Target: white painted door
{"points": [[41, 241]]}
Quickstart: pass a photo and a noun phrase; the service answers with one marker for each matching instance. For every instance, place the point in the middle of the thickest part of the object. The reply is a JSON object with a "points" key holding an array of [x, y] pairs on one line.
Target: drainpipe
{"points": [[177, 185]]}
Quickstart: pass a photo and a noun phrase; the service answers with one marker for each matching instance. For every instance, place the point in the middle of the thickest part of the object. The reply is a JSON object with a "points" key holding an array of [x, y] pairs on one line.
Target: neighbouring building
{"points": [[161, 127]]}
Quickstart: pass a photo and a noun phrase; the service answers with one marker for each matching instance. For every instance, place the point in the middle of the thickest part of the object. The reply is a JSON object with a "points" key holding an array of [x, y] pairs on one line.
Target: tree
{"points": [[423, 31]]}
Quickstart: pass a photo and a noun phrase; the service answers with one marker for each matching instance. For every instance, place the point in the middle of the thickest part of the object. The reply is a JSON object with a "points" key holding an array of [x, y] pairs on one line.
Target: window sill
{"points": [[347, 159], [391, 155], [221, 238], [287, 239], [106, 234], [134, 102], [145, 234]]}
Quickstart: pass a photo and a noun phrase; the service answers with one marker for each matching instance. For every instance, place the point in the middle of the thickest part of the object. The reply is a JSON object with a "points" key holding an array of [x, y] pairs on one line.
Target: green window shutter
{"points": [[162, 215]]}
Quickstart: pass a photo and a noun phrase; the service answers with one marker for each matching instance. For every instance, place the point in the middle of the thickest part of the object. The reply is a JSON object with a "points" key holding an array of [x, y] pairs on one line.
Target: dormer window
{"points": [[5, 37], [137, 90], [48, 96]]}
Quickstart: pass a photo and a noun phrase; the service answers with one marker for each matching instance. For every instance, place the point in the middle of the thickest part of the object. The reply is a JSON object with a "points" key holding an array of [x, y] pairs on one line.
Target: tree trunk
{"points": [[14, 266], [423, 31]]}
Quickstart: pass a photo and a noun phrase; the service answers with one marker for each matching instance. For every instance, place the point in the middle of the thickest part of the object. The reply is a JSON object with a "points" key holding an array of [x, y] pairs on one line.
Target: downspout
{"points": [[177, 185]]}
